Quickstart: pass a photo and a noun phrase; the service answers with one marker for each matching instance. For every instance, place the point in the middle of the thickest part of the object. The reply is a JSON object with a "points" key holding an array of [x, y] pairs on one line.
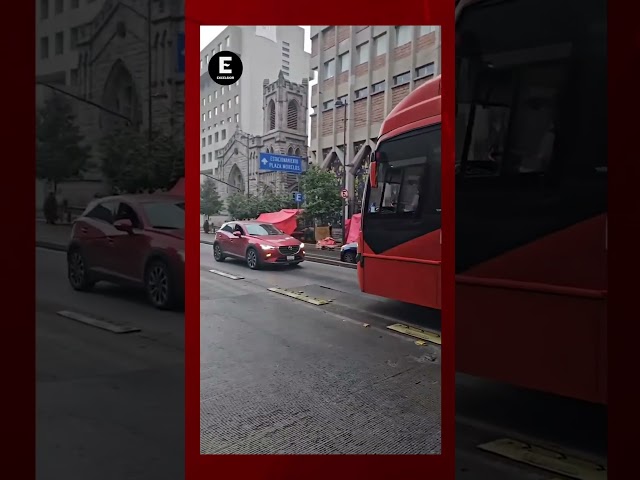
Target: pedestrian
{"points": [[50, 208], [205, 226]]}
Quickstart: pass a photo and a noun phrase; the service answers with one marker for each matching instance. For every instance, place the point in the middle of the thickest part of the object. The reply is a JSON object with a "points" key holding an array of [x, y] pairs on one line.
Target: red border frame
{"points": [[281, 467]]}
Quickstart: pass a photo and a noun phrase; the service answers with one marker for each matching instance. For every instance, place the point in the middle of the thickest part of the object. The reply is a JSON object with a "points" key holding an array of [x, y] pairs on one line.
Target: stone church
{"points": [[284, 109], [124, 75]]}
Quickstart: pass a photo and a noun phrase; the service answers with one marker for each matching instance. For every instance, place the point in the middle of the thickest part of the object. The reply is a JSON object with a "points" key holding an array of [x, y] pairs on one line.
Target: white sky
{"points": [[208, 33]]}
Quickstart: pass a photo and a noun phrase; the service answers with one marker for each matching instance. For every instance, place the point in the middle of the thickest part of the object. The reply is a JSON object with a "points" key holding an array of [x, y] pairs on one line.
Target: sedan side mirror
{"points": [[124, 225]]}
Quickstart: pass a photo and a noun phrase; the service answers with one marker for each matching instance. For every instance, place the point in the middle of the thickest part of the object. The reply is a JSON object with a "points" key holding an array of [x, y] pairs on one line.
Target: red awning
{"points": [[353, 228], [286, 220]]}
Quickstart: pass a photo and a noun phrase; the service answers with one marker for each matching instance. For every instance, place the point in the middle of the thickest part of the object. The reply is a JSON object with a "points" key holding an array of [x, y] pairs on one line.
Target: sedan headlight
{"points": [[301, 246], [268, 247]]}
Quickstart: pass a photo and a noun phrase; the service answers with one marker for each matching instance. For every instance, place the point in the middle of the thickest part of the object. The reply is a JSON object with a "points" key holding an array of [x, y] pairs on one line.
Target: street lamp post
{"points": [[345, 205]]}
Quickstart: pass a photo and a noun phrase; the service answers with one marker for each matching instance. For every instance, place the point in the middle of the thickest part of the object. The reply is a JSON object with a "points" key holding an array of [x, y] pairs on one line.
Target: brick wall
{"points": [[362, 69], [327, 122], [420, 81], [329, 38], [343, 33], [339, 119], [398, 93], [427, 41], [314, 46], [314, 125], [360, 112], [402, 51], [327, 85], [377, 107], [380, 61], [343, 77]]}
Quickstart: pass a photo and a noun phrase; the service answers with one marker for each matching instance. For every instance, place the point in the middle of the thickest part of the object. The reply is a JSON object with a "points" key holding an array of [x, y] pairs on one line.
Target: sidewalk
{"points": [[55, 237]]}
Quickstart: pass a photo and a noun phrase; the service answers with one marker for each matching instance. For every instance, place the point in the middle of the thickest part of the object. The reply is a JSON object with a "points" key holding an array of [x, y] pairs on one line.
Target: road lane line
{"points": [[299, 296], [426, 335], [546, 459], [227, 275], [95, 322]]}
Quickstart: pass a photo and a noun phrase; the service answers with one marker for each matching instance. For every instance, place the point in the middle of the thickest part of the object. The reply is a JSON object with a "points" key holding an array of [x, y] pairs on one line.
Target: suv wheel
{"points": [[349, 257], [253, 262], [159, 285], [217, 253], [78, 272]]}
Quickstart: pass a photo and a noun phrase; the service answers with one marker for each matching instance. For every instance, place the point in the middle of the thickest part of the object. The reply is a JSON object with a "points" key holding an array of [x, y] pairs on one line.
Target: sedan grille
{"points": [[290, 250]]}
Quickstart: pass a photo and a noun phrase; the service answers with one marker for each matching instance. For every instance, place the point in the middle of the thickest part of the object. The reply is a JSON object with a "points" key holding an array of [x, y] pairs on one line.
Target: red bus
{"points": [[531, 197], [399, 249]]}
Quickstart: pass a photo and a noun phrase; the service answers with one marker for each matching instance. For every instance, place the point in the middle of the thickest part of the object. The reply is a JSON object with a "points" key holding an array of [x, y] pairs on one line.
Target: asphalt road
{"points": [[107, 405], [279, 375]]}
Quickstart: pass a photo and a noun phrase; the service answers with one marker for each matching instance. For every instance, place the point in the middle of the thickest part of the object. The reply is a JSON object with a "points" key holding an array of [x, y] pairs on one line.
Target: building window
{"points": [[219, 47], [227, 41], [285, 43], [285, 62], [206, 60], [204, 158], [228, 119], [221, 107], [210, 156], [204, 101], [59, 46], [345, 61], [44, 9], [328, 105], [380, 45], [237, 99], [215, 111], [215, 94], [222, 91], [204, 141], [223, 134], [229, 103], [285, 68], [59, 6], [75, 4], [73, 76], [402, 78], [329, 68], [44, 47], [378, 87], [292, 115], [209, 139], [209, 98], [237, 118], [426, 29], [204, 117], [216, 137], [272, 115], [221, 122], [210, 114], [425, 70], [362, 93], [285, 49], [403, 35], [285, 55], [362, 53]]}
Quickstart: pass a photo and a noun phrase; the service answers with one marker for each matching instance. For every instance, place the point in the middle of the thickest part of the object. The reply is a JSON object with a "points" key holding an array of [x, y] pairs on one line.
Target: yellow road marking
{"points": [[551, 460], [417, 333], [299, 296]]}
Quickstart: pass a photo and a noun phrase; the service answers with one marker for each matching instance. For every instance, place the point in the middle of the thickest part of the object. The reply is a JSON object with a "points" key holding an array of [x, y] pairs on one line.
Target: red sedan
{"points": [[257, 243], [132, 240]]}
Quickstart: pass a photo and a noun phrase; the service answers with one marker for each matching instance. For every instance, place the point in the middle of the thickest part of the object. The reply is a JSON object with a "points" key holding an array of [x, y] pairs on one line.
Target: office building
{"points": [[265, 51], [370, 69]]}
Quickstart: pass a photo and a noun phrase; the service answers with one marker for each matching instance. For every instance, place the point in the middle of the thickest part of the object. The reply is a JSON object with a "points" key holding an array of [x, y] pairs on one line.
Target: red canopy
{"points": [[286, 220], [178, 188], [353, 233]]}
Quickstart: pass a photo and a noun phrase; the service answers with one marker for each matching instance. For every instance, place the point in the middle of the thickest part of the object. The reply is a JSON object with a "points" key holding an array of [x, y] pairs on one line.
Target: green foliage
{"points": [[132, 167], [322, 194], [241, 207], [59, 154], [210, 203]]}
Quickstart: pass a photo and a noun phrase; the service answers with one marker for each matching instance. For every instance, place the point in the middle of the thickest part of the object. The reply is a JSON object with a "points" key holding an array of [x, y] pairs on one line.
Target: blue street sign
{"points": [[280, 163], [298, 197], [181, 47]]}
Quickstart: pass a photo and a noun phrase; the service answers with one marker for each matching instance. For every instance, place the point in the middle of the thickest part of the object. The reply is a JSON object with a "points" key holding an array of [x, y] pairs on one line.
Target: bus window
{"points": [[408, 176]]}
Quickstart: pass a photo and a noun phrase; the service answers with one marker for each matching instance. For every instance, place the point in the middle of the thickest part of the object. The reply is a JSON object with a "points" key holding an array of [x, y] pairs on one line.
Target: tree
{"points": [[322, 194], [210, 203], [239, 207], [60, 155], [132, 167]]}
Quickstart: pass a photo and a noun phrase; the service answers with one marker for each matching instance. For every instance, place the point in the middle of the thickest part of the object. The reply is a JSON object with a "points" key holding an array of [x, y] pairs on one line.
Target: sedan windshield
{"points": [[168, 215], [262, 229]]}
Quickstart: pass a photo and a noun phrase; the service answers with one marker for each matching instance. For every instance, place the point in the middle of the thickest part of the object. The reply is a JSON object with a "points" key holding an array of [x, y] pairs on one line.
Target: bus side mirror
{"points": [[373, 174]]}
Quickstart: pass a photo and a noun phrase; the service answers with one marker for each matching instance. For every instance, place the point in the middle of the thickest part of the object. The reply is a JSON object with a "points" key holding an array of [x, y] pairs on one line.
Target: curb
{"points": [[312, 258], [51, 246]]}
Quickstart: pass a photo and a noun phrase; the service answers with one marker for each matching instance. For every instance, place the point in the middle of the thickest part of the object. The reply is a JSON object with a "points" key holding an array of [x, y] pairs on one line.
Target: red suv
{"points": [[133, 240], [257, 243]]}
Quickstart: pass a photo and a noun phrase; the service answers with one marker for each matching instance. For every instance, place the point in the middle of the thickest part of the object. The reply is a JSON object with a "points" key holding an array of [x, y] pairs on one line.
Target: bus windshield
{"points": [[408, 176]]}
